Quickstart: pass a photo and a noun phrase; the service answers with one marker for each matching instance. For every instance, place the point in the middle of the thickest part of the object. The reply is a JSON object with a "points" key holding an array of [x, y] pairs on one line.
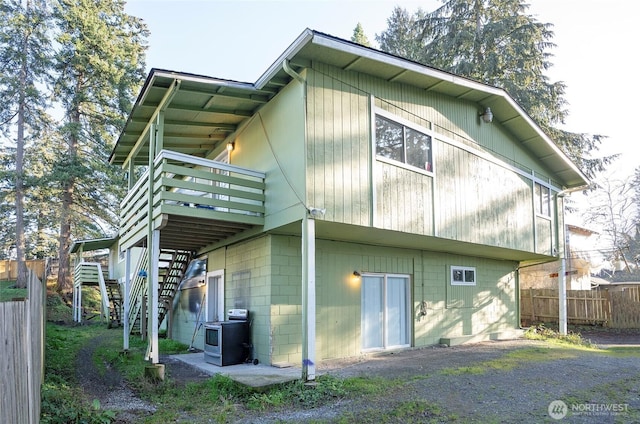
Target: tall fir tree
{"points": [[100, 66], [359, 36], [25, 53], [495, 42], [403, 36]]}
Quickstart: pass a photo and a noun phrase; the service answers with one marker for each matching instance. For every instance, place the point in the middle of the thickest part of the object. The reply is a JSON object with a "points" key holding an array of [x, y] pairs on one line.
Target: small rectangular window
{"points": [[463, 276]]}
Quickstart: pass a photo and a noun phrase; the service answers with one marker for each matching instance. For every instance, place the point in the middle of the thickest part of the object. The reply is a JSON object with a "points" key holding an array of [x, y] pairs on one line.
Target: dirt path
{"points": [[112, 391], [108, 386]]}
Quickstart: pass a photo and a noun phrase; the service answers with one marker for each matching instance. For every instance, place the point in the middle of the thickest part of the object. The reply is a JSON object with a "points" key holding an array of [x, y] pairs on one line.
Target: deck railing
{"points": [[195, 187]]}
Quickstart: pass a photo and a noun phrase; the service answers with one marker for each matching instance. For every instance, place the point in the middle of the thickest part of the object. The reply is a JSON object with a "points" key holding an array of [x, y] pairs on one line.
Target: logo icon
{"points": [[557, 409]]}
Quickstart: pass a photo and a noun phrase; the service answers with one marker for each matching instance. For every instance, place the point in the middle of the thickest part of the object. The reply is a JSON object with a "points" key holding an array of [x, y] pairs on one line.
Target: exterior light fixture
{"points": [[315, 212], [356, 274], [230, 146], [487, 115]]}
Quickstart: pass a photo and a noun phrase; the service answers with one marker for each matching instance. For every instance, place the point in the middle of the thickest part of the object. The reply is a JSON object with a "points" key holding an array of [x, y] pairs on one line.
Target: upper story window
{"points": [[542, 199], [403, 144]]}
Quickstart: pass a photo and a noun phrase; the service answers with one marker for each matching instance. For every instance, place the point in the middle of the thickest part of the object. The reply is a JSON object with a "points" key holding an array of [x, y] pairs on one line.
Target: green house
{"points": [[353, 201]]}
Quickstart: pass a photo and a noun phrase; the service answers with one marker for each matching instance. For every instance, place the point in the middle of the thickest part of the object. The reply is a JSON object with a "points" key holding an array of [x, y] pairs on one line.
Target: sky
{"points": [[238, 40]]}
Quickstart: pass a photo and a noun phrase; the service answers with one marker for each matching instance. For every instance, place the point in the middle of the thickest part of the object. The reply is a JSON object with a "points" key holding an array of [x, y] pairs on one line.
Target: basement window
{"points": [[463, 276]]}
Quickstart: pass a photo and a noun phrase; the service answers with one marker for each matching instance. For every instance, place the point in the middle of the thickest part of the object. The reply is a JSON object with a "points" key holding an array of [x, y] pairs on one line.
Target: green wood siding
{"points": [[480, 202], [338, 149], [404, 200], [467, 198], [272, 142]]}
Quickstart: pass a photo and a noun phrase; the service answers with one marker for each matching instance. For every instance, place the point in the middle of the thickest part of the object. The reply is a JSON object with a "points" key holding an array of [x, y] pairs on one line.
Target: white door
{"points": [[385, 311], [215, 296]]}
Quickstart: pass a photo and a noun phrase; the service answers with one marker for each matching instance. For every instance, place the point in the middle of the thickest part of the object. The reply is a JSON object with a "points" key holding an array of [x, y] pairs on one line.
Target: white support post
{"points": [[562, 298], [79, 309], [75, 303], [126, 294], [308, 299], [152, 295]]}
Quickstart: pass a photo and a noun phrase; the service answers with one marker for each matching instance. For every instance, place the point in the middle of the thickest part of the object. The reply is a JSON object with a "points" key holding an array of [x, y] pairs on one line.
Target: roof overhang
{"points": [[203, 111], [92, 244], [315, 46], [198, 114]]}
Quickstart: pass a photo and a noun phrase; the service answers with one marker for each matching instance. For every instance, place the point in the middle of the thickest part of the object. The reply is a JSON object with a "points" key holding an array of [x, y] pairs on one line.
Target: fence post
{"points": [[533, 310]]}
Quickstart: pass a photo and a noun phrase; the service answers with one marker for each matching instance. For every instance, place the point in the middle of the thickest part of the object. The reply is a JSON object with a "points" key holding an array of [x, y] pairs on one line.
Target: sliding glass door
{"points": [[385, 311]]}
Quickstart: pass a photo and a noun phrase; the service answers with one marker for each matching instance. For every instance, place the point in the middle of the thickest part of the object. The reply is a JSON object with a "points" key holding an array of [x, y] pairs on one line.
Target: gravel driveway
{"points": [[518, 381], [512, 381]]}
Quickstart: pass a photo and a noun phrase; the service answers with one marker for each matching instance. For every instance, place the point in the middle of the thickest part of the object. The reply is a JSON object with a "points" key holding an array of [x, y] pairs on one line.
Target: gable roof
{"points": [[200, 112]]}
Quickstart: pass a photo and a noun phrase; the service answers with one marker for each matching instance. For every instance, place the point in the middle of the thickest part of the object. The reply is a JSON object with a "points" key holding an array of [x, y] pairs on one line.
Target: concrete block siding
{"points": [[264, 275]]}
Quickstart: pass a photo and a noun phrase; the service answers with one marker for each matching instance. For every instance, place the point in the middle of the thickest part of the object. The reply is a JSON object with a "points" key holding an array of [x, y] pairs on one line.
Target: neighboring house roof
{"points": [[201, 111], [584, 252]]}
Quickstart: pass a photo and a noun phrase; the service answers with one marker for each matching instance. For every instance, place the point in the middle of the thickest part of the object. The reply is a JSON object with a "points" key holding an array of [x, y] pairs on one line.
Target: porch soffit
{"points": [[202, 114], [392, 239]]}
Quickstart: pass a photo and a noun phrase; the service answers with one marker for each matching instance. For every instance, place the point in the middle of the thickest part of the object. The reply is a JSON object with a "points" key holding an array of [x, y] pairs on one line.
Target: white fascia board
{"points": [[202, 79], [290, 52]]}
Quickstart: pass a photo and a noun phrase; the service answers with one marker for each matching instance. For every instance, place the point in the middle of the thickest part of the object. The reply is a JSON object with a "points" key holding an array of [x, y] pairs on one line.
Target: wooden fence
{"points": [[625, 307], [611, 307], [22, 355], [9, 269]]}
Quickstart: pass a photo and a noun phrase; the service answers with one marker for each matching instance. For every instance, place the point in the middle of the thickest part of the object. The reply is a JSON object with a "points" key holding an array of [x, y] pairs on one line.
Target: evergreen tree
{"points": [[100, 66], [403, 36], [359, 36], [495, 42], [24, 62]]}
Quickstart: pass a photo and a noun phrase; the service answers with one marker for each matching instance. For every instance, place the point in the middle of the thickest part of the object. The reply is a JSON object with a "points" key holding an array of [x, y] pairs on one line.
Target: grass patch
{"points": [[57, 310], [8, 292], [541, 332], [514, 359], [622, 351], [62, 400], [219, 398]]}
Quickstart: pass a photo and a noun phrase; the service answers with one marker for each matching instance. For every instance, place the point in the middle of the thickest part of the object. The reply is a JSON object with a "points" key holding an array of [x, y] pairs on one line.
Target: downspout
{"points": [[293, 74], [562, 278]]}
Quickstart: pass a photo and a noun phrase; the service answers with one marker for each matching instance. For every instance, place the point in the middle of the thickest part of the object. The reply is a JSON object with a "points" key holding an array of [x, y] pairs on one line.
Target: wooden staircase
{"points": [[115, 302], [170, 279], [171, 267]]}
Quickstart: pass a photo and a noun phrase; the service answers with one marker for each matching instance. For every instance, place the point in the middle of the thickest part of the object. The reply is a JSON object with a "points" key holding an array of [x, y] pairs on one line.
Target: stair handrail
{"points": [[137, 290], [101, 284]]}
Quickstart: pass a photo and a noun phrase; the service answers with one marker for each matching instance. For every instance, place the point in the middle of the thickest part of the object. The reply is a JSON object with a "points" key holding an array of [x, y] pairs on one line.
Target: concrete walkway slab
{"points": [[257, 376]]}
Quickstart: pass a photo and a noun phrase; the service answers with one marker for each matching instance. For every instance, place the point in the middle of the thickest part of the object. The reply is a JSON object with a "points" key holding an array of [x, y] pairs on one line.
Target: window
{"points": [[403, 144], [542, 199], [463, 276]]}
